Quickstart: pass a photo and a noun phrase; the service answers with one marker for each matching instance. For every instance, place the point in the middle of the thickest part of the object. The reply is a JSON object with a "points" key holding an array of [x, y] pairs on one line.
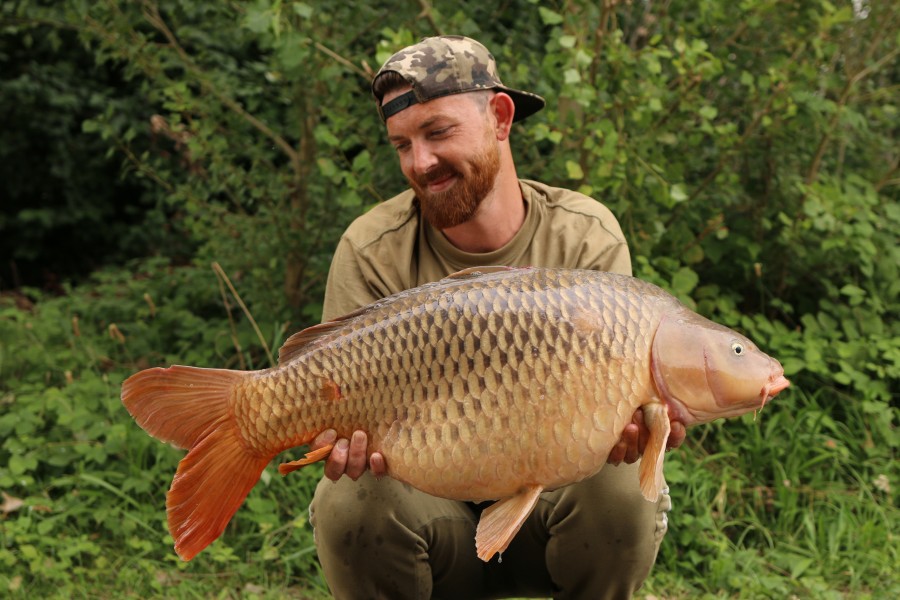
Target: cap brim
{"points": [[526, 103]]}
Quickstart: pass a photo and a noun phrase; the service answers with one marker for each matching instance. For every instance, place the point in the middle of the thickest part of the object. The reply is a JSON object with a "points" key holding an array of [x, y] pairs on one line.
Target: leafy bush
{"points": [[62, 213], [84, 487]]}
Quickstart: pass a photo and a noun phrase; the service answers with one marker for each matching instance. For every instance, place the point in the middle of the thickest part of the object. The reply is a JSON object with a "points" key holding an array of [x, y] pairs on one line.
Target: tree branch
{"points": [[813, 171], [885, 179], [426, 13], [151, 13], [367, 75]]}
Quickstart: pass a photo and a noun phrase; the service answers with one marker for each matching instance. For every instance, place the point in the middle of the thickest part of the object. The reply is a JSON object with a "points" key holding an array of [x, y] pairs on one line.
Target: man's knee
{"points": [[610, 508], [404, 528], [347, 513], [604, 535]]}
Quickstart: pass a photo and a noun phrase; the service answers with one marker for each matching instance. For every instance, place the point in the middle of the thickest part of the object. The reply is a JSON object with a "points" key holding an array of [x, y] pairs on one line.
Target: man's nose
{"points": [[423, 159]]}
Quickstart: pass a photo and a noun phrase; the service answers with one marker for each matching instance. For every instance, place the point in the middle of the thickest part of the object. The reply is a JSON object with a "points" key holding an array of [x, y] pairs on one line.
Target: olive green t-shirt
{"points": [[391, 248]]}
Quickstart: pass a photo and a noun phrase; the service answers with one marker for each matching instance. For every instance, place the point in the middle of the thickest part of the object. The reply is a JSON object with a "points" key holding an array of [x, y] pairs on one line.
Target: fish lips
{"points": [[776, 384]]}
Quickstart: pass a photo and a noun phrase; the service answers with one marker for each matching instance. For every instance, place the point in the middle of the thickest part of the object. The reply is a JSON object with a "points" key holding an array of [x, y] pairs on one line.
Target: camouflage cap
{"points": [[444, 65]]}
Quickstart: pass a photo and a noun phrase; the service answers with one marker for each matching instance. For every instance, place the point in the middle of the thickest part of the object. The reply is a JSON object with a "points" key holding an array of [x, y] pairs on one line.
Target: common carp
{"points": [[492, 384]]}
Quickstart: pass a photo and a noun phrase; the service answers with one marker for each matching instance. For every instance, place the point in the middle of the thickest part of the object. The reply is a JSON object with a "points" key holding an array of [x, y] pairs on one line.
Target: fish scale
{"points": [[494, 383], [476, 366]]}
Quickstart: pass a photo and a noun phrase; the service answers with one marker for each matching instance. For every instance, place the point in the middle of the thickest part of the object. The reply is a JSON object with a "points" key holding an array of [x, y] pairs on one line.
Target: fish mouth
{"points": [[773, 387]]}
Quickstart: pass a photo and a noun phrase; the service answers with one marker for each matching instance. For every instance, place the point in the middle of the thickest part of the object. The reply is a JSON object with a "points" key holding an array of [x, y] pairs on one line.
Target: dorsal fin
{"points": [[297, 343], [300, 340], [476, 271]]}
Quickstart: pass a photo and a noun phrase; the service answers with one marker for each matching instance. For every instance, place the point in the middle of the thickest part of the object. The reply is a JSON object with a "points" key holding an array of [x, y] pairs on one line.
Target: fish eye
{"points": [[737, 348]]}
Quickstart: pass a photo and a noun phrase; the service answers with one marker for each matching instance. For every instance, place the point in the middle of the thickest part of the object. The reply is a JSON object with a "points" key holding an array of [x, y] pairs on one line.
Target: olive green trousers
{"points": [[596, 539]]}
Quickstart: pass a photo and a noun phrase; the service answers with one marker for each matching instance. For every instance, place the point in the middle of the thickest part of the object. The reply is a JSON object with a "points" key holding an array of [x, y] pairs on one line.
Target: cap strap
{"points": [[399, 103]]}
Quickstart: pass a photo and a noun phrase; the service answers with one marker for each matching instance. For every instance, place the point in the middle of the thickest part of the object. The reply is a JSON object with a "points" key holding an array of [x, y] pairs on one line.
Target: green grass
{"points": [[793, 504], [800, 502]]}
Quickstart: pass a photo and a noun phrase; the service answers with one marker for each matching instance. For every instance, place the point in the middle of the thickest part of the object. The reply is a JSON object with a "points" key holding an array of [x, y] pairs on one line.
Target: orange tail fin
{"points": [[189, 407]]}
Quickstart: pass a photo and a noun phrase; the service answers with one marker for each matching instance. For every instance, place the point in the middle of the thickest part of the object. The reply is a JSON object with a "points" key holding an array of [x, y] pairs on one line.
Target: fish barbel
{"points": [[492, 384]]}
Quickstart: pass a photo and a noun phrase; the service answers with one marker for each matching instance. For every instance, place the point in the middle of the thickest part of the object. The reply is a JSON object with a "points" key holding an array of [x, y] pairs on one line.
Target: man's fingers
{"points": [[348, 457], [377, 465], [323, 439], [626, 446], [616, 454], [633, 442], [643, 434], [677, 435], [337, 460], [357, 459], [630, 436]]}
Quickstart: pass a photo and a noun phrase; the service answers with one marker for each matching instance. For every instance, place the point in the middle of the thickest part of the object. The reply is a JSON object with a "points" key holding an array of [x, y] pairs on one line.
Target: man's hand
{"points": [[349, 456], [634, 439]]}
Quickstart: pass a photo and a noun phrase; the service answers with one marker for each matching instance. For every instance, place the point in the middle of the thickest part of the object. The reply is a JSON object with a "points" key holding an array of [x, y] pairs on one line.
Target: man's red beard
{"points": [[458, 204]]}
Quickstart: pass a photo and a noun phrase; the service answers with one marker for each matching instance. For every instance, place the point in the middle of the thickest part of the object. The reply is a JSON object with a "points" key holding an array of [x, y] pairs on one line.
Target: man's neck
{"points": [[498, 220]]}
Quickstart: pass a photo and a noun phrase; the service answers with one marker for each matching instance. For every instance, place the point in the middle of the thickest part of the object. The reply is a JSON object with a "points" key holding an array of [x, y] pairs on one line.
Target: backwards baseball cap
{"points": [[444, 65]]}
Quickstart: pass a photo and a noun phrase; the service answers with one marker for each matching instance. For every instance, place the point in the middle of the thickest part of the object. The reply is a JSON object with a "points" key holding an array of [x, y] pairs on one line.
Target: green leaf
{"points": [[684, 281], [325, 136], [349, 199], [19, 465], [652, 63], [693, 255], [362, 161], [292, 54], [303, 9], [853, 291], [792, 365], [327, 167], [571, 76], [258, 20], [549, 17], [708, 112], [677, 193], [573, 170], [668, 139]]}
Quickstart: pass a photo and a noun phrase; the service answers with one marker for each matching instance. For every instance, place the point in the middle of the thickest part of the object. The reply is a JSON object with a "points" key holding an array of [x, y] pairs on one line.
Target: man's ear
{"points": [[504, 109]]}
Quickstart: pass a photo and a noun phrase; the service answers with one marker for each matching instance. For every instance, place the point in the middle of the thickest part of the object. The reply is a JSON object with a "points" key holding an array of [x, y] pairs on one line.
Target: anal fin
{"points": [[311, 457], [656, 418], [502, 520]]}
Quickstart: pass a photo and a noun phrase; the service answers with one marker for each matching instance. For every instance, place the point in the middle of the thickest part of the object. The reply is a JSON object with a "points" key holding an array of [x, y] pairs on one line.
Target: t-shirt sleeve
{"points": [[347, 288], [578, 232], [613, 257], [601, 246]]}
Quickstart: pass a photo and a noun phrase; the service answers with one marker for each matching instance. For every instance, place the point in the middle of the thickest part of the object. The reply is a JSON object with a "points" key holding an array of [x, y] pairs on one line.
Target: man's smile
{"points": [[442, 183]]}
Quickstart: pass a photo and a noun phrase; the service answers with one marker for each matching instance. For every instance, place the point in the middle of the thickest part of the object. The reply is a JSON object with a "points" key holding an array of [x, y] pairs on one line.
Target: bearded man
{"points": [[449, 117]]}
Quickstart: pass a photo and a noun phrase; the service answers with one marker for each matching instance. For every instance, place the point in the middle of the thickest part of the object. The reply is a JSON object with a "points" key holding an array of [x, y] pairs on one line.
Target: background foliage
{"points": [[748, 149]]}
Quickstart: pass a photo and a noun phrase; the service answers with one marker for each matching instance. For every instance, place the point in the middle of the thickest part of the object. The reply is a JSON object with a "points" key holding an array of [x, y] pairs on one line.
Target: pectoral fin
{"points": [[656, 417], [502, 520], [310, 457]]}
